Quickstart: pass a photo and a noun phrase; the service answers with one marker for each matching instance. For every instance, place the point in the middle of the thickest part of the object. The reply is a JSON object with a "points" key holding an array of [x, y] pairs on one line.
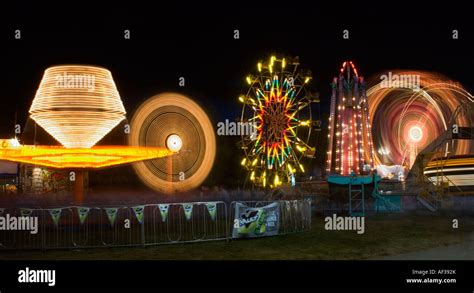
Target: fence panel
{"points": [[152, 224]]}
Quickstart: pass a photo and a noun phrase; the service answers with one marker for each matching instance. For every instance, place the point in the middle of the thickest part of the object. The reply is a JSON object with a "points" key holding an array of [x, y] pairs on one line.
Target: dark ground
{"points": [[385, 235]]}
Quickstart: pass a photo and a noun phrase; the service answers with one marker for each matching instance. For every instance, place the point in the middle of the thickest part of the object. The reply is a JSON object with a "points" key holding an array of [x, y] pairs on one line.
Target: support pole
{"points": [[169, 166], [79, 187]]}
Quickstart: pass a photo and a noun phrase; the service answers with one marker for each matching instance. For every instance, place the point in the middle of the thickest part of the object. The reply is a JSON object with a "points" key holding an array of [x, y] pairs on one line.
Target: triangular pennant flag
{"points": [[302, 208], [288, 206], [188, 210], [211, 208], [300, 205], [55, 215], [25, 212], [164, 211], [139, 213], [111, 214], [83, 212], [295, 204]]}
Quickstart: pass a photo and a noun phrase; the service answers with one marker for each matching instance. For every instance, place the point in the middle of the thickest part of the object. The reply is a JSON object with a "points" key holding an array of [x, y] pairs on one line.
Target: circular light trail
{"points": [[425, 100], [174, 143], [415, 134], [176, 122]]}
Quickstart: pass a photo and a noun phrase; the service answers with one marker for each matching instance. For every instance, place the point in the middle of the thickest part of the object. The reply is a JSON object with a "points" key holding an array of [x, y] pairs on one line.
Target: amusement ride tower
{"points": [[350, 148]]}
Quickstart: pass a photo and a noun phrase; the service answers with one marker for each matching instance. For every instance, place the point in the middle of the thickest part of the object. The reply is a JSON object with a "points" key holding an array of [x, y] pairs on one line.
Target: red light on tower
{"points": [[350, 148]]}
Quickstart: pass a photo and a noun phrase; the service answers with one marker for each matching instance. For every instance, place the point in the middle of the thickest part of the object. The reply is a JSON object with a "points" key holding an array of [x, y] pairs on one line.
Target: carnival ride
{"points": [[277, 106], [172, 146], [79, 104], [423, 125], [350, 149], [350, 154], [175, 122]]}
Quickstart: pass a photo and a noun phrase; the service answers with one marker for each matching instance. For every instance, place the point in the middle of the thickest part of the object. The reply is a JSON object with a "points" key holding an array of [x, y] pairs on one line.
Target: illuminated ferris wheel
{"points": [[277, 113]]}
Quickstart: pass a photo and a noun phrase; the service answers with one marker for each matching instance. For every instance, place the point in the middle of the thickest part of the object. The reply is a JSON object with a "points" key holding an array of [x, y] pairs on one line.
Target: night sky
{"points": [[196, 42]]}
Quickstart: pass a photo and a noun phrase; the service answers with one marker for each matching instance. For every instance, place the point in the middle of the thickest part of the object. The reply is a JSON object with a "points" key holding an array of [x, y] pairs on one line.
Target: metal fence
{"points": [[151, 224]]}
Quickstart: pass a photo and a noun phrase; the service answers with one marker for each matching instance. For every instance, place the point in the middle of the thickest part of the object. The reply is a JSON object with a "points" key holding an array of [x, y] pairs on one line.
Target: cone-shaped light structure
{"points": [[77, 104]]}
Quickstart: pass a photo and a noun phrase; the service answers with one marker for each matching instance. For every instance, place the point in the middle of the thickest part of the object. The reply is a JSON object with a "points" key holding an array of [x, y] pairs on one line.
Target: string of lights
{"points": [[277, 104], [350, 148]]}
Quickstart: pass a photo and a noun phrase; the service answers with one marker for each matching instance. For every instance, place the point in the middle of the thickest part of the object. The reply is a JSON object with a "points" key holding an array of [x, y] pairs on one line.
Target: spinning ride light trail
{"points": [[408, 116], [78, 105], [78, 158], [177, 123]]}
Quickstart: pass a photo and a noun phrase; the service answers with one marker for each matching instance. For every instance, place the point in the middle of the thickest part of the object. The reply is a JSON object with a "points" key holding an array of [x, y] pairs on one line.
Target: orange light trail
{"points": [[79, 158]]}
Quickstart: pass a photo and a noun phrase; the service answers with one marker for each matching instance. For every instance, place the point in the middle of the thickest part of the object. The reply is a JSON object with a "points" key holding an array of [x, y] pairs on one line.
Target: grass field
{"points": [[384, 235]]}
